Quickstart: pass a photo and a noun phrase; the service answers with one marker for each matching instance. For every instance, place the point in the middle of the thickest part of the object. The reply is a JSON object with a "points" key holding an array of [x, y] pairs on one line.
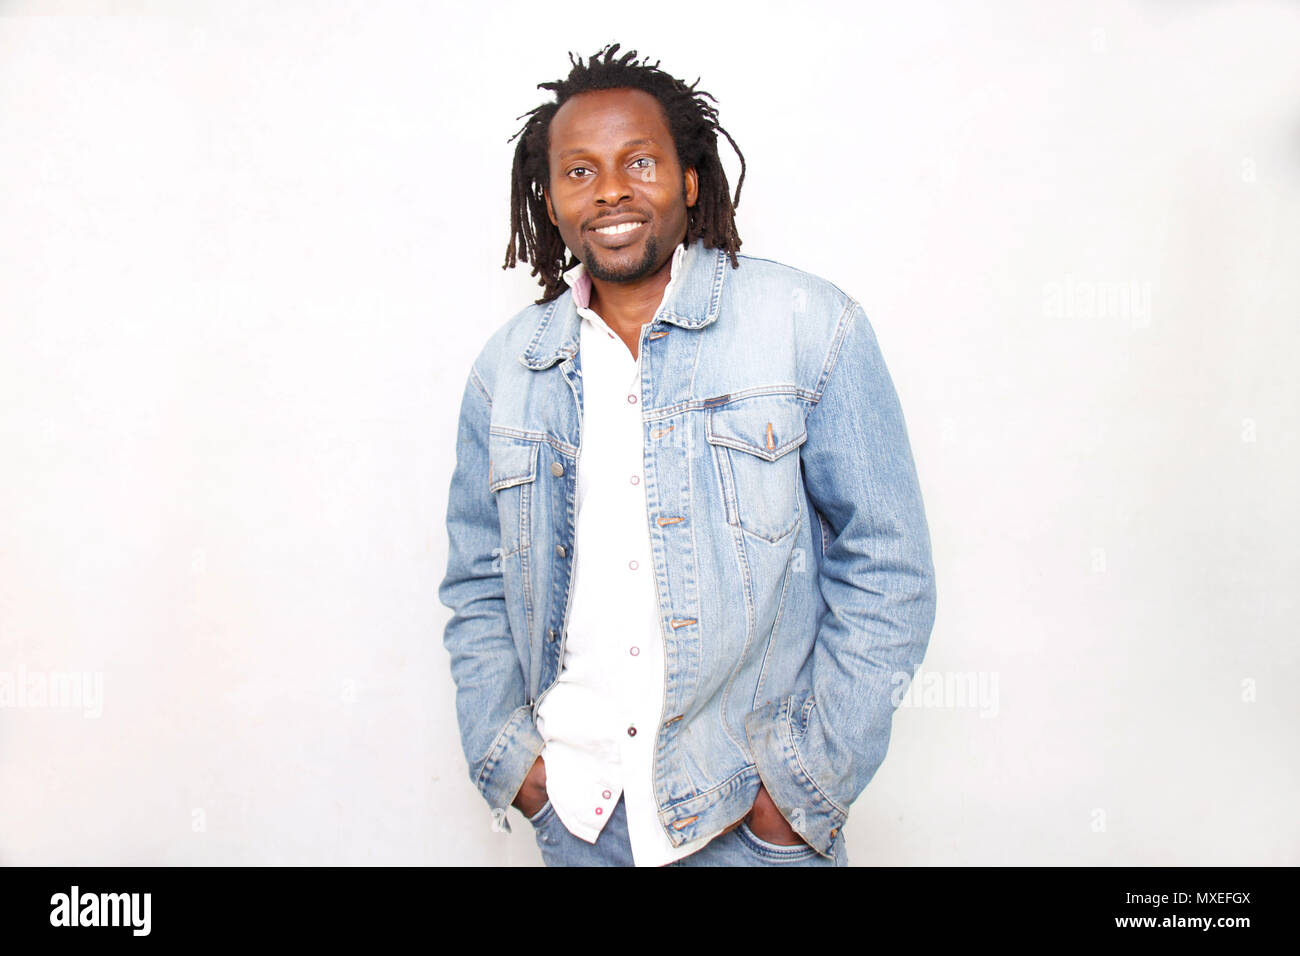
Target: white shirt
{"points": [[612, 675]]}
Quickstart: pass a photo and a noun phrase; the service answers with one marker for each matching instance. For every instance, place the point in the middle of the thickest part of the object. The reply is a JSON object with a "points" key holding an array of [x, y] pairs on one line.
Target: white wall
{"points": [[247, 254]]}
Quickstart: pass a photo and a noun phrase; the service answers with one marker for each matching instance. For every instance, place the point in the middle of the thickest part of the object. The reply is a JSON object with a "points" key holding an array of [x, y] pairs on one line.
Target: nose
{"points": [[612, 188]]}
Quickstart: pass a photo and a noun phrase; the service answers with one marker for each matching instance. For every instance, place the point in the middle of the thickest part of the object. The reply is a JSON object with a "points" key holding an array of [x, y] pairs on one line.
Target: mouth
{"points": [[617, 235]]}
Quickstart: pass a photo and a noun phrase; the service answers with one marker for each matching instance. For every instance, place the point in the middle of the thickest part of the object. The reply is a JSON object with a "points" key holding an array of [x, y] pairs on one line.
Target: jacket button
{"points": [[550, 633], [559, 549], [557, 469]]}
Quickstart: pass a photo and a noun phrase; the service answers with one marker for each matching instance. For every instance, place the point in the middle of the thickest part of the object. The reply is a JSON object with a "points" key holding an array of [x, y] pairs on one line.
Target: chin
{"points": [[622, 265]]}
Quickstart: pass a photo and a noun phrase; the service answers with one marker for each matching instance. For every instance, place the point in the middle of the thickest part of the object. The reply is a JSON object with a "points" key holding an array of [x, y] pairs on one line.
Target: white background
{"points": [[248, 251]]}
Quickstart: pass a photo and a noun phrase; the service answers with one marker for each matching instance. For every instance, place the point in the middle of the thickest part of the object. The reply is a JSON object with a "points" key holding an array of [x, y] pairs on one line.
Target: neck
{"points": [[626, 306]]}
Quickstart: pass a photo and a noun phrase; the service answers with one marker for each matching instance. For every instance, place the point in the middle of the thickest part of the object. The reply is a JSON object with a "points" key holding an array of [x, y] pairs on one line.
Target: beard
{"points": [[630, 273]]}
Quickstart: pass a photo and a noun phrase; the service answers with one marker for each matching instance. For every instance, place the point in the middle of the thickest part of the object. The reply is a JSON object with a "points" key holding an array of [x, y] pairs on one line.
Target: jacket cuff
{"points": [[501, 773], [773, 731]]}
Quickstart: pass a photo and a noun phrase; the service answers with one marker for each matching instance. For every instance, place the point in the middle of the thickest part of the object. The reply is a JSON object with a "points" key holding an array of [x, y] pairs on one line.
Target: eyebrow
{"points": [[630, 142]]}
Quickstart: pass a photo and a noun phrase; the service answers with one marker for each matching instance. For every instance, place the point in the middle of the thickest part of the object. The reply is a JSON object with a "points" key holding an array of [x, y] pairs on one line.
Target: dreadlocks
{"points": [[694, 126]]}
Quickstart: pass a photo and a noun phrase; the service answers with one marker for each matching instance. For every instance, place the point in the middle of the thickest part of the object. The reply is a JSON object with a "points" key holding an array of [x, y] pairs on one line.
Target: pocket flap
{"points": [[766, 426], [510, 462]]}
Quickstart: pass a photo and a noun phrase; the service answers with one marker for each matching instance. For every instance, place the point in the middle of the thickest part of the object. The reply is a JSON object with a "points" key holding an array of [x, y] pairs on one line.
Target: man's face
{"points": [[612, 162]]}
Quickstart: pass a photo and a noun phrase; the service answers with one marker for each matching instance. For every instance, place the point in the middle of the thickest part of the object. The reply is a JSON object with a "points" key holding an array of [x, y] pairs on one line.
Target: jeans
{"points": [[738, 847]]}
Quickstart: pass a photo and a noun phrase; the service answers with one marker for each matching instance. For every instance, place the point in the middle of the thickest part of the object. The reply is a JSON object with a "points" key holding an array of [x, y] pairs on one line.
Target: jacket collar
{"points": [[693, 302]]}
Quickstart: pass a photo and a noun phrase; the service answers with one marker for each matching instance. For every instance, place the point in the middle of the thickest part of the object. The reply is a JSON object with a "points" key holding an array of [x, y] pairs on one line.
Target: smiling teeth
{"points": [[615, 230]]}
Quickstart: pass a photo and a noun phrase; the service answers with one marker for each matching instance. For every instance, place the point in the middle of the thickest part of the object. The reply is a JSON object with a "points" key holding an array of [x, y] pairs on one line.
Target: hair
{"points": [[694, 127]]}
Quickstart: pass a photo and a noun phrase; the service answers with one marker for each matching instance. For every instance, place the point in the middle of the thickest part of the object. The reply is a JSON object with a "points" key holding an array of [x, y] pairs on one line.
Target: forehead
{"points": [[606, 117]]}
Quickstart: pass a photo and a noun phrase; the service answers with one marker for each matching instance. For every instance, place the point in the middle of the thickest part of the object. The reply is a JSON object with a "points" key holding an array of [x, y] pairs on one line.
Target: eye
{"points": [[577, 169], [644, 159]]}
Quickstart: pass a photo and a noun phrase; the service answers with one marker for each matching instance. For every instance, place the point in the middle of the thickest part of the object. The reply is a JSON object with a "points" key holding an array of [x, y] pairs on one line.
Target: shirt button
{"points": [[557, 469], [599, 811], [631, 731], [634, 651], [636, 479], [631, 399], [633, 565], [606, 794], [559, 549]]}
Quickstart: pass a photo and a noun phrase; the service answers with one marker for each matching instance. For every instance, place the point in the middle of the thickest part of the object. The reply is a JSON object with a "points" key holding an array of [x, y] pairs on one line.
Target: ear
{"points": [[550, 211], [692, 186]]}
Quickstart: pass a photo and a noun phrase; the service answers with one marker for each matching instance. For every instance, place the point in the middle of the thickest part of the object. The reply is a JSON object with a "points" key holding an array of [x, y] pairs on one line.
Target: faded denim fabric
{"points": [[791, 551]]}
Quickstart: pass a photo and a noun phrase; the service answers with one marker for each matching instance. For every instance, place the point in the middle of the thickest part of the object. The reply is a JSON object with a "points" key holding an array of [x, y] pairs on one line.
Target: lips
{"points": [[617, 231], [606, 221]]}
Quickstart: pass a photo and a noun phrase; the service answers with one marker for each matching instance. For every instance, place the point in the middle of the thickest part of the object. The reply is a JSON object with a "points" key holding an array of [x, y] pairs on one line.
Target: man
{"points": [[689, 564]]}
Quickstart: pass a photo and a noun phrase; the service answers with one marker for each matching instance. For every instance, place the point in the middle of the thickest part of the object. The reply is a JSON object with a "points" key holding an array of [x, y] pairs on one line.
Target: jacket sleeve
{"points": [[498, 735], [817, 748]]}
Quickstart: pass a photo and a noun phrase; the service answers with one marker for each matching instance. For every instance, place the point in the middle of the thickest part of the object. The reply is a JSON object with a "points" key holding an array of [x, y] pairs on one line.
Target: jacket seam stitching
{"points": [[488, 764], [776, 626], [696, 404], [837, 342], [525, 543], [798, 758], [739, 773], [751, 626], [478, 383]]}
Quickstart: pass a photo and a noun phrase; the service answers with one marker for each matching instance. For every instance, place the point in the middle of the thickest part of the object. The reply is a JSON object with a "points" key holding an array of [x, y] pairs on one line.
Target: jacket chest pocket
{"points": [[512, 471], [754, 444]]}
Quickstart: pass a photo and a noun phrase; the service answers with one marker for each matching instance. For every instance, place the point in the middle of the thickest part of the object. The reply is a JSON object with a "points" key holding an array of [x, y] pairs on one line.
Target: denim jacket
{"points": [[791, 552]]}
